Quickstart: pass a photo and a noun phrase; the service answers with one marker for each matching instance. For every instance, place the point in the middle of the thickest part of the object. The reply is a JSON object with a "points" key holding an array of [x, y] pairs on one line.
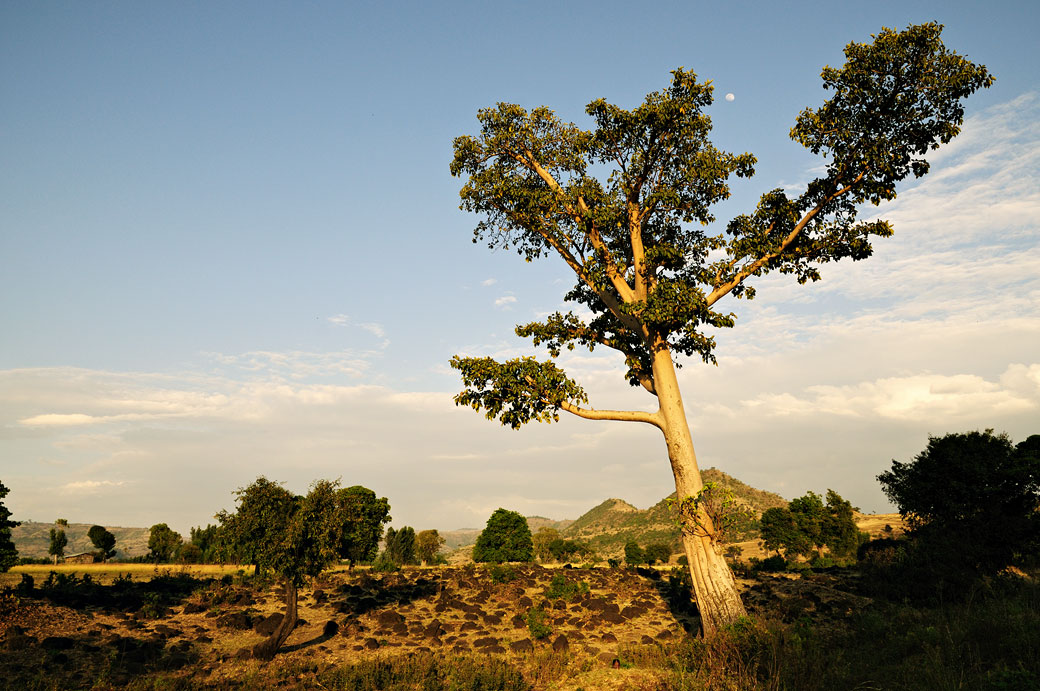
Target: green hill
{"points": [[607, 527], [33, 539]]}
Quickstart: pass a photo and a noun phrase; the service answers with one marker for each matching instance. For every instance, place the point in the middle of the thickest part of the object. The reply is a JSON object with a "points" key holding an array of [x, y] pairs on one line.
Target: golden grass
{"points": [[106, 573]]}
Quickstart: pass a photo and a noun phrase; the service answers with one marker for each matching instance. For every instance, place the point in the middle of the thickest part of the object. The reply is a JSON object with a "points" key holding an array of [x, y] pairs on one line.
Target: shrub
{"points": [[536, 623], [562, 589]]}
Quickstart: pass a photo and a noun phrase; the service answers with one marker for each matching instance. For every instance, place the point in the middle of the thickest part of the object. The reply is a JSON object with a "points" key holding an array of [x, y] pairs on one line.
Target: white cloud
{"points": [[489, 282], [339, 319], [505, 301]]}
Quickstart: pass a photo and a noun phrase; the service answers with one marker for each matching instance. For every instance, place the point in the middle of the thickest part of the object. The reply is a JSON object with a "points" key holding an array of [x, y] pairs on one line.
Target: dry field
{"points": [[203, 629]]}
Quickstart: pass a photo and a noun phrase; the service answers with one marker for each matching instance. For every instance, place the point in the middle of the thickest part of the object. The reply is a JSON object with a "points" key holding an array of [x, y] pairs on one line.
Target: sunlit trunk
{"points": [[713, 584], [266, 649]]}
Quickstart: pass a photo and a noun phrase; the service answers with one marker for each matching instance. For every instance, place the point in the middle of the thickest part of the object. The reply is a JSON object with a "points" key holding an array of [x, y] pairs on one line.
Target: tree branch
{"points": [[725, 288], [618, 415]]}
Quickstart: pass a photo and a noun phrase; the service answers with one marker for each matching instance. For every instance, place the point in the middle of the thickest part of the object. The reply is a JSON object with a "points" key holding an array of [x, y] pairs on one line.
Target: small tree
{"points": [[506, 537], [363, 517], [634, 554], [8, 552], [58, 543], [650, 279], [565, 550], [427, 544], [163, 542], [657, 552], [104, 542]]}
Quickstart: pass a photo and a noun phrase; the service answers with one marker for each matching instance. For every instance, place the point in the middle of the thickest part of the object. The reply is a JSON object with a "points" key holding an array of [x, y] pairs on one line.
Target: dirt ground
{"points": [[206, 628]]}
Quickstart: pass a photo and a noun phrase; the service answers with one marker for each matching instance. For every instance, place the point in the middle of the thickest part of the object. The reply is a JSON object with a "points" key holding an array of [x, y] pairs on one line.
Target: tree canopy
{"points": [[647, 271], [363, 517], [506, 537], [807, 524], [163, 542], [104, 541], [975, 494]]}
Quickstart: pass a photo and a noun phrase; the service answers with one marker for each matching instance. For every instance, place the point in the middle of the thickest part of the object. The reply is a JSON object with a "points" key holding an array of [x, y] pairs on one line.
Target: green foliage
{"points": [[104, 541], [715, 512], [58, 542], [537, 623], [807, 525], [541, 541], [8, 553], [427, 544], [506, 537], [163, 542], [296, 537], [260, 519], [363, 517], [400, 546], [561, 588], [207, 541], [657, 552], [502, 573], [634, 554], [971, 500], [646, 270], [566, 550]]}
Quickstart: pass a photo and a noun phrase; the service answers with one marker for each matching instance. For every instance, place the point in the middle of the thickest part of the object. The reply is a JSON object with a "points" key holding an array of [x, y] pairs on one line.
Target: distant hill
{"points": [[608, 526], [33, 539]]}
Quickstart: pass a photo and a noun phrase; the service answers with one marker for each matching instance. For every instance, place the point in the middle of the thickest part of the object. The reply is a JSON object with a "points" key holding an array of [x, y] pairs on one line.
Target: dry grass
{"points": [[107, 573]]}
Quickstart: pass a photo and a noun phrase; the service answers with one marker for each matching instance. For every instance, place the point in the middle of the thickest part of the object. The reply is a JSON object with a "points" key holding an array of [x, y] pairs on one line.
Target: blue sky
{"points": [[230, 246]]}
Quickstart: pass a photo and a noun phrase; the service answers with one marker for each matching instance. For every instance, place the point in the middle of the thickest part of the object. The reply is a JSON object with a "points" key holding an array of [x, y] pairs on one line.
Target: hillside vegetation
{"points": [[32, 539]]}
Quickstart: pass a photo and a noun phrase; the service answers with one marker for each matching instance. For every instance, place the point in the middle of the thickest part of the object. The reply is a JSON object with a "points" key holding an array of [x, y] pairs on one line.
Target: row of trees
{"points": [[807, 525]]}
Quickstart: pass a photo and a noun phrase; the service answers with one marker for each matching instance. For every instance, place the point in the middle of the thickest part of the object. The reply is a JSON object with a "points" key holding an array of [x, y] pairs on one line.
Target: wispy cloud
{"points": [[489, 282]]}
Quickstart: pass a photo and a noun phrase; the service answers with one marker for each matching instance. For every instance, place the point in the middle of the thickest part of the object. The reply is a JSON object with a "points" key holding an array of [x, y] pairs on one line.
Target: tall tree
{"points": [[400, 546], [363, 518], [541, 541], [58, 540], [8, 552], [648, 273], [104, 541], [163, 542]]}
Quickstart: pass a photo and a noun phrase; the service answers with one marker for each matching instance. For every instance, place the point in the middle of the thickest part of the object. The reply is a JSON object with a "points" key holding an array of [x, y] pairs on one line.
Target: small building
{"points": [[81, 558]]}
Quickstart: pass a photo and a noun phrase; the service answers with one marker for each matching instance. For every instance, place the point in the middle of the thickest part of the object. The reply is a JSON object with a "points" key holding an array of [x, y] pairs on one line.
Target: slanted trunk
{"points": [[266, 649], [713, 584]]}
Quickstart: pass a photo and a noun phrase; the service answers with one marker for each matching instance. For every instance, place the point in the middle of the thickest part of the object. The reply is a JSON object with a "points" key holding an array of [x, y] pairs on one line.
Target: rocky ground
{"points": [[209, 627]]}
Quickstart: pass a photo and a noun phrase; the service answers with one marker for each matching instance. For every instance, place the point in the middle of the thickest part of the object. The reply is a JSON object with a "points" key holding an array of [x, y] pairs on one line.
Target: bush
{"points": [[536, 623], [562, 589], [502, 573]]}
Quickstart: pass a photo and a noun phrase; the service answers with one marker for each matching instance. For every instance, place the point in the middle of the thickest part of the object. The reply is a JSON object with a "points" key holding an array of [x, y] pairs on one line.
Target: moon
{"points": [[730, 97]]}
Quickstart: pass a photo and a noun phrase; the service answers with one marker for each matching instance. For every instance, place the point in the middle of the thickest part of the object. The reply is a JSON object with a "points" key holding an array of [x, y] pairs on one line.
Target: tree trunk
{"points": [[266, 649], [713, 584]]}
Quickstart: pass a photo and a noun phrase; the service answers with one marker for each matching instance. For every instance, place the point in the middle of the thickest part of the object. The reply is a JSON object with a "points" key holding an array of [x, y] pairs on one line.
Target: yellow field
{"points": [[106, 573]]}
